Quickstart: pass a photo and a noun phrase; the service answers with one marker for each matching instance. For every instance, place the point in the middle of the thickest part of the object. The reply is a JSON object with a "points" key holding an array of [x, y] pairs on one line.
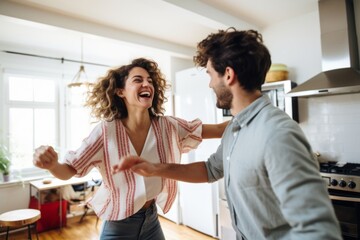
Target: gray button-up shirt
{"points": [[273, 186]]}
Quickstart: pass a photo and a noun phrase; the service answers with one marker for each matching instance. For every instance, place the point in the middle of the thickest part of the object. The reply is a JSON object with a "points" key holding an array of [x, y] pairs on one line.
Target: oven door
{"points": [[347, 210]]}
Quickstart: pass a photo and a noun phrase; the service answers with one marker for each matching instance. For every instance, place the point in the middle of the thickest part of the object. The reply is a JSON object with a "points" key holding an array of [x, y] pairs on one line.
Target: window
{"points": [[31, 109], [79, 122], [38, 109]]}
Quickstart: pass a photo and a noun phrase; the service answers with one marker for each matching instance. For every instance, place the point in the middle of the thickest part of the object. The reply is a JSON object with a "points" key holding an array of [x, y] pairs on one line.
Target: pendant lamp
{"points": [[80, 77]]}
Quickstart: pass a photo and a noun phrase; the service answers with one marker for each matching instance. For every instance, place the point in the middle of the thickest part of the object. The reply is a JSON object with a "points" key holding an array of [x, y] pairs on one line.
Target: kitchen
{"points": [[329, 122]]}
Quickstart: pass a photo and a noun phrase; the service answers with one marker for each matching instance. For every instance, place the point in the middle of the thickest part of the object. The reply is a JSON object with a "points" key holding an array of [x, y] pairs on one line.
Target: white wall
{"points": [[330, 123], [14, 196], [296, 43]]}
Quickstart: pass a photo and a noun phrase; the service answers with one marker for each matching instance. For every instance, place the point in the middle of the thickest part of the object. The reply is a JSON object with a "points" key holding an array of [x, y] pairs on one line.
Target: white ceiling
{"points": [[106, 26]]}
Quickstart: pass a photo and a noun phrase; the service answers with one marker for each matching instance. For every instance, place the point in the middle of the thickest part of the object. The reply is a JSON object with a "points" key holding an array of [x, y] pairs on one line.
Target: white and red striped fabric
{"points": [[123, 194]]}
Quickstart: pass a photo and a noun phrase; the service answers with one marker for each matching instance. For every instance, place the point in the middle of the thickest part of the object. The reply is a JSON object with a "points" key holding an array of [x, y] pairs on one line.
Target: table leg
{"points": [[60, 208], [37, 236], [39, 196], [7, 233], [29, 232]]}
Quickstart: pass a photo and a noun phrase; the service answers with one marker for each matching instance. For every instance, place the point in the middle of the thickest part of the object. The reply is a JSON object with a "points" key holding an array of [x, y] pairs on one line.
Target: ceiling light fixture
{"points": [[80, 77]]}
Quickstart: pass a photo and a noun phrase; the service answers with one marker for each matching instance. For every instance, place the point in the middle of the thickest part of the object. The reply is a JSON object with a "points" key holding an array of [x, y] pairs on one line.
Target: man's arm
{"points": [[213, 130], [295, 178], [192, 172]]}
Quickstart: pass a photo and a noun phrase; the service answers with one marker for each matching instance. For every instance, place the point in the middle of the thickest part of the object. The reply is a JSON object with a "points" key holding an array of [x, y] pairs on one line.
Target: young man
{"points": [[272, 181]]}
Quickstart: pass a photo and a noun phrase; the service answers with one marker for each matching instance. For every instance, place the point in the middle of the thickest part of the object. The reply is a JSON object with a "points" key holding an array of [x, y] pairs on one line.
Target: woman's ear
{"points": [[118, 92]]}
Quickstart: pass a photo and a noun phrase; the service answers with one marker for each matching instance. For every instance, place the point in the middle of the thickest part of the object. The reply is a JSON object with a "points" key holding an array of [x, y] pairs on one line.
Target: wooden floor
{"points": [[88, 230]]}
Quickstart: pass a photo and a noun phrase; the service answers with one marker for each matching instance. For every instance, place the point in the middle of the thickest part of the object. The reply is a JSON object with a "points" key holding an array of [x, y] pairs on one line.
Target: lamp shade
{"points": [[80, 78]]}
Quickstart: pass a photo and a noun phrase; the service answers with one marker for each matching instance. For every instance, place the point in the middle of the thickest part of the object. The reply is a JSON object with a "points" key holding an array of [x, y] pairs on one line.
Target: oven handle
{"points": [[341, 198]]}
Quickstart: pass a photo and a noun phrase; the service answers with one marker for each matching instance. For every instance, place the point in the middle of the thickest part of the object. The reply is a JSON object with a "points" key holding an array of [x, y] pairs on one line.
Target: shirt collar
{"points": [[246, 115]]}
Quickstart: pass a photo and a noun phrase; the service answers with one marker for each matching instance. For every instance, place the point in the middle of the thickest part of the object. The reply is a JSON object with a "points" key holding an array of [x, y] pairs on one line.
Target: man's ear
{"points": [[230, 76]]}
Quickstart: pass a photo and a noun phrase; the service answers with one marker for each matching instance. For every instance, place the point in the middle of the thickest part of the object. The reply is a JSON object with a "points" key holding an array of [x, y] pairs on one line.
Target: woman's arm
{"points": [[213, 130], [192, 172], [45, 157]]}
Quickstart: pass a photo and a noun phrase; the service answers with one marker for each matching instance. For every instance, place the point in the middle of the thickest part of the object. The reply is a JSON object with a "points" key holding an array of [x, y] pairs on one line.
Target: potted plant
{"points": [[4, 163]]}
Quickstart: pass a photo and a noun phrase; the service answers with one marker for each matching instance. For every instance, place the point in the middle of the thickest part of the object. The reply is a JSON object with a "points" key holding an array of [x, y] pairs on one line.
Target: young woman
{"points": [[129, 101]]}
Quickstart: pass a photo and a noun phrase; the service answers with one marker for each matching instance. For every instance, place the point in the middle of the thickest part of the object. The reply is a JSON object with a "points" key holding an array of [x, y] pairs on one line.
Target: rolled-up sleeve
{"points": [[214, 165]]}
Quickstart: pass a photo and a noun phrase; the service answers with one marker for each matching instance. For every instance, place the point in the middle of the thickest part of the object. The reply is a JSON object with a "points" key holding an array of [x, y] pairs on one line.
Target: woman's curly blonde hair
{"points": [[106, 105]]}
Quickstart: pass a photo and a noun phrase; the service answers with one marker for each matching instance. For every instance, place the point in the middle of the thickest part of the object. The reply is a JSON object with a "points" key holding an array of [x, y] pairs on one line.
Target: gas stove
{"points": [[341, 176], [343, 183]]}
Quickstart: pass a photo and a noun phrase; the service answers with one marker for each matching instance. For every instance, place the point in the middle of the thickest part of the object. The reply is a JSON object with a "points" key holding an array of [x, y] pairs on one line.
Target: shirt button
{"points": [[228, 158], [235, 134]]}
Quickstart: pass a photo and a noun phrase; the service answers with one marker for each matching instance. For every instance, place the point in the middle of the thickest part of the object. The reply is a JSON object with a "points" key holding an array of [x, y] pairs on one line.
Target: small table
{"points": [[20, 218], [39, 185]]}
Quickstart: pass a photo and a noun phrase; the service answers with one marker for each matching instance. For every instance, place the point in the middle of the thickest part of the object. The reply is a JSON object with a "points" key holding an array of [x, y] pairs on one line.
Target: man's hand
{"points": [[135, 164], [193, 172]]}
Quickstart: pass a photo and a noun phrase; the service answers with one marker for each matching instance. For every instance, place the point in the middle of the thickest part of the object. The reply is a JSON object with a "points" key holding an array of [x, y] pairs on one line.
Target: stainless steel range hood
{"points": [[340, 52]]}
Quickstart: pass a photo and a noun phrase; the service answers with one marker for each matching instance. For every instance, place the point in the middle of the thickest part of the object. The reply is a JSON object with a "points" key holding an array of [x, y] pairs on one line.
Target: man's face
{"points": [[223, 94]]}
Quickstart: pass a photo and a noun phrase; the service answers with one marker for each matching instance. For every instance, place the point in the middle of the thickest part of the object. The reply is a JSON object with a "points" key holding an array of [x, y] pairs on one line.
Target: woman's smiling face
{"points": [[139, 89]]}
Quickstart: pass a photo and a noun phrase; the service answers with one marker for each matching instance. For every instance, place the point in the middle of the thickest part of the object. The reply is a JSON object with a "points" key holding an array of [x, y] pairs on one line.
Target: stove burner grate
{"points": [[340, 168]]}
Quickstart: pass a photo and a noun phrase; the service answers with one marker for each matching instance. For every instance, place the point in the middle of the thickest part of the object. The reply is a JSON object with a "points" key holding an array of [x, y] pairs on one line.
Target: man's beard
{"points": [[224, 98]]}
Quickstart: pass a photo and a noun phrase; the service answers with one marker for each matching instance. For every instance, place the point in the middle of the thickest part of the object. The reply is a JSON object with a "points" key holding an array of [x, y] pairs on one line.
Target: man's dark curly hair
{"points": [[243, 51]]}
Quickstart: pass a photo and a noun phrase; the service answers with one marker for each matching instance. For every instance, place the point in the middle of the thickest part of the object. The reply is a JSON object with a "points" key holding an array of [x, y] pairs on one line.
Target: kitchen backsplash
{"points": [[332, 125]]}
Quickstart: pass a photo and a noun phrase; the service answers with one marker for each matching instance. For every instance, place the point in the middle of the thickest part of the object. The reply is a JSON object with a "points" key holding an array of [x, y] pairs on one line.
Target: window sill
{"points": [[17, 181]]}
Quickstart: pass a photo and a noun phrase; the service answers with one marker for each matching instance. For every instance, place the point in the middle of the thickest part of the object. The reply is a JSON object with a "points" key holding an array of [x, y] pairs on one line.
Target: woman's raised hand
{"points": [[45, 157]]}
